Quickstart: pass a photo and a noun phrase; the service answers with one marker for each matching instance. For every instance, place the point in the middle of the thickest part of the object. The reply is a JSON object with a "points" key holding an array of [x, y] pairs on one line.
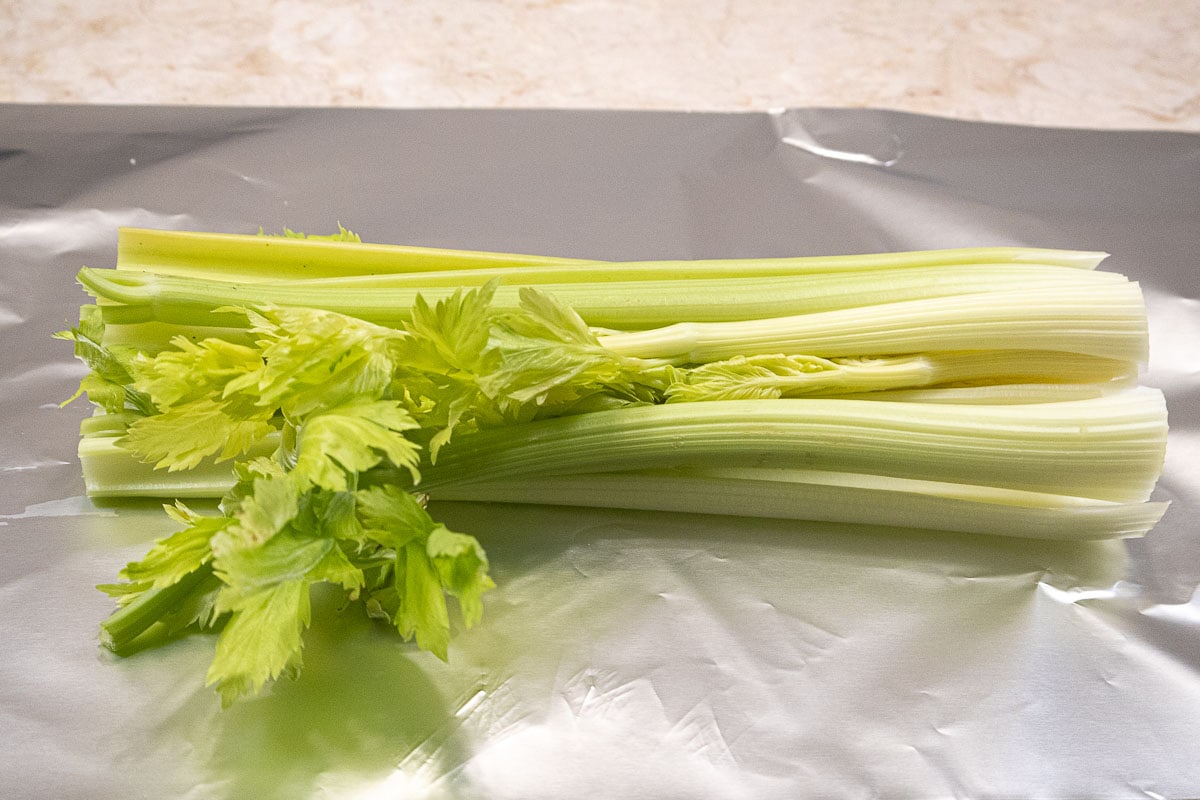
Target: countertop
{"points": [[1086, 63]]}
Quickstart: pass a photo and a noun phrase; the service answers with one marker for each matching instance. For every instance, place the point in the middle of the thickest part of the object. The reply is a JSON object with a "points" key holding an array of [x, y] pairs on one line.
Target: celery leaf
{"points": [[430, 561], [759, 377], [422, 613], [450, 336], [109, 382], [462, 569], [198, 416], [262, 640], [266, 592], [272, 502], [183, 436], [315, 360], [352, 439], [549, 357], [391, 516], [179, 554], [193, 370], [342, 235]]}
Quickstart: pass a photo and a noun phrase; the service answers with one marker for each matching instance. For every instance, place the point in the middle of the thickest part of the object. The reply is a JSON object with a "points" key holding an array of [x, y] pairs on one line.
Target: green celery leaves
{"points": [[361, 408], [429, 560]]}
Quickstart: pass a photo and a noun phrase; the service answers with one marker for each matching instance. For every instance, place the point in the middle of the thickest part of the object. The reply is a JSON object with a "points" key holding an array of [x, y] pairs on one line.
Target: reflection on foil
{"points": [[794, 133], [805, 142], [59, 231], [1079, 595], [1150, 793], [1186, 615], [622, 740], [66, 507], [397, 785], [9, 318]]}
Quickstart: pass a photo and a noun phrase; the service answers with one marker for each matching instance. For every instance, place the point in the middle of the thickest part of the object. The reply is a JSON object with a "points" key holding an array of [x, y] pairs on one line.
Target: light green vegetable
{"points": [[1107, 321], [295, 255], [136, 297], [817, 496], [1108, 448], [326, 389], [246, 258]]}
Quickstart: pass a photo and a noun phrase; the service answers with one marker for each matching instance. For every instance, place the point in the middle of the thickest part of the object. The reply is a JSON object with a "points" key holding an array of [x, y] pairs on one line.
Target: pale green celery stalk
{"points": [[847, 498], [104, 424], [110, 471], [998, 394], [154, 337], [660, 273], [799, 494], [249, 257], [1007, 365], [943, 489], [1106, 448], [113, 471], [123, 627], [1107, 320], [879, 376], [242, 256], [134, 297]]}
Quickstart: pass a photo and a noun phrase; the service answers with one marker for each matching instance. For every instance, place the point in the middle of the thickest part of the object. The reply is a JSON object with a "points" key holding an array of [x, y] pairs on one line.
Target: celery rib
{"points": [[245, 257], [794, 376], [800, 494], [122, 628], [1108, 448], [242, 255], [731, 273], [1107, 321], [621, 304], [896, 507], [110, 471]]}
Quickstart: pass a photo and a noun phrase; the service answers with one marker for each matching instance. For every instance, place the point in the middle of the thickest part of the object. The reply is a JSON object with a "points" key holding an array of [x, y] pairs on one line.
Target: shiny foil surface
{"points": [[624, 655]]}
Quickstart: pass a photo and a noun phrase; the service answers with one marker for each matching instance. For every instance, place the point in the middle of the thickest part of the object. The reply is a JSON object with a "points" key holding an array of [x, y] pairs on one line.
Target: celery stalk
{"points": [[110, 471], [766, 377], [800, 494], [999, 393], [1107, 320], [1106, 448], [889, 502], [248, 257], [133, 297], [728, 274], [241, 255], [124, 627]]}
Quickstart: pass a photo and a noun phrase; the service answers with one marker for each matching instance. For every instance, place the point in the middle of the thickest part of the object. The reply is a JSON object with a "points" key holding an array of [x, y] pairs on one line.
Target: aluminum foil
{"points": [[625, 655]]}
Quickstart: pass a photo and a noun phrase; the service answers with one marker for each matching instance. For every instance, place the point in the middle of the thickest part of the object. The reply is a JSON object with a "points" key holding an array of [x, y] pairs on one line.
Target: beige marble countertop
{"points": [[1086, 63]]}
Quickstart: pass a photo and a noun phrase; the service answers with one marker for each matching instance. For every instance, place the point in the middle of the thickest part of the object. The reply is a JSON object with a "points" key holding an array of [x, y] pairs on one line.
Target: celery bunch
{"points": [[327, 389]]}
